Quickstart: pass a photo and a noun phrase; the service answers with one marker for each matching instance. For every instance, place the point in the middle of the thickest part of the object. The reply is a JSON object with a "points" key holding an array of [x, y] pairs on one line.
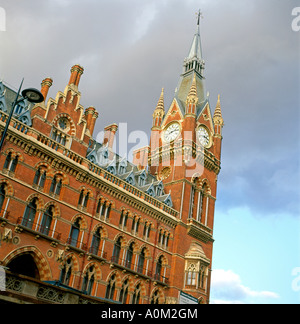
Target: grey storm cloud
{"points": [[131, 49]]}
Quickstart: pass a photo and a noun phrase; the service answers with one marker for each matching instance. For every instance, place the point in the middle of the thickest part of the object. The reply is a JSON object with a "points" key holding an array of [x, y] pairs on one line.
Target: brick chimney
{"points": [[91, 116], [46, 84], [109, 135], [76, 73]]}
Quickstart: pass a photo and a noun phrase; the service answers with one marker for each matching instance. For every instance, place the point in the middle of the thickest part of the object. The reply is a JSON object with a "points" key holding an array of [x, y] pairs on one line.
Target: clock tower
{"points": [[185, 153]]}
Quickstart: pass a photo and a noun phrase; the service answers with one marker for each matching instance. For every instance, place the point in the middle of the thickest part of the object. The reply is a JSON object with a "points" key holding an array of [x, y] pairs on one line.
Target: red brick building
{"points": [[78, 218]]}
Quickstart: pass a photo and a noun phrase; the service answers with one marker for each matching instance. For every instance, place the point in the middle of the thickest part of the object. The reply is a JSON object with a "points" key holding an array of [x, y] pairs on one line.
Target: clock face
{"points": [[203, 136], [172, 132]]}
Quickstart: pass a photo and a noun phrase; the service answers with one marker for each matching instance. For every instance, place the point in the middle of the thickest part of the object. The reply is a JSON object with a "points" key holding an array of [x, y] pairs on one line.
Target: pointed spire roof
{"points": [[193, 72], [192, 96], [161, 103], [218, 119], [196, 48]]}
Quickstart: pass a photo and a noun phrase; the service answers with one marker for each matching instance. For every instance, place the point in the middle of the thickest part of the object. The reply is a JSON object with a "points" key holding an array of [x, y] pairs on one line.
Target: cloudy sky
{"points": [[131, 49]]}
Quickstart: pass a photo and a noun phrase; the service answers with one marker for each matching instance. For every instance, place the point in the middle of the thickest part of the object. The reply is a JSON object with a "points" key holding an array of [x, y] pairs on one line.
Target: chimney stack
{"points": [[109, 135], [91, 116], [46, 84], [76, 73]]}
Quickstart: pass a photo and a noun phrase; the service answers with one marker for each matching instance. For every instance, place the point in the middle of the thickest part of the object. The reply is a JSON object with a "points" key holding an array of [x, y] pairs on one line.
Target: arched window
{"points": [[47, 221], [56, 185], [10, 164], [111, 287], [155, 297], [40, 178], [96, 242], [83, 199], [103, 210], [30, 212], [2, 196], [117, 250], [66, 272], [129, 256], [146, 233], [141, 261], [158, 269], [88, 281], [74, 234], [135, 225], [136, 295], [124, 292], [123, 219]]}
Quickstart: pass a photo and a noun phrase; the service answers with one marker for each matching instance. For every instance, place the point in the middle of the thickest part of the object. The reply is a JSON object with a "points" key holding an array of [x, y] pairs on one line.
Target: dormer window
{"points": [[122, 169], [130, 181], [111, 170], [159, 190], [142, 180]]}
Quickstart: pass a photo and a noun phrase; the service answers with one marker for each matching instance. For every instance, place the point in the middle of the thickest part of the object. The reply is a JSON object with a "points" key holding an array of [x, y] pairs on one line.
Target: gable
{"points": [[174, 114]]}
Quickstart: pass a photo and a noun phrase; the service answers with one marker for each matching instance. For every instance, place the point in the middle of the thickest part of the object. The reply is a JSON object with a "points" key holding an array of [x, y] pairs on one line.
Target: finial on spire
{"points": [[199, 16]]}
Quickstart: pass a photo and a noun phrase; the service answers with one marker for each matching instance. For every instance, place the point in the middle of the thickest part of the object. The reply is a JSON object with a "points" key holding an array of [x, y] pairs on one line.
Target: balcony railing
{"points": [[76, 244], [38, 228], [129, 265]]}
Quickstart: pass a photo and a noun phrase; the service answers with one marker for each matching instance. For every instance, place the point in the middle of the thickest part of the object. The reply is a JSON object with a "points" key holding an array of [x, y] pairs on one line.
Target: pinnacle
{"points": [[161, 104], [218, 119], [192, 96]]}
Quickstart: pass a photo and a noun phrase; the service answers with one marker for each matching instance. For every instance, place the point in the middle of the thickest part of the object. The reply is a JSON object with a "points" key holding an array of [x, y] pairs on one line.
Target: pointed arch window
{"points": [[129, 256], [155, 297], [74, 234], [141, 261], [124, 292], [123, 220], [96, 240], [40, 178], [66, 272], [83, 199], [11, 163], [147, 229], [30, 213], [103, 209], [2, 195], [158, 269], [136, 295], [56, 185], [88, 281], [47, 221], [111, 287], [117, 250]]}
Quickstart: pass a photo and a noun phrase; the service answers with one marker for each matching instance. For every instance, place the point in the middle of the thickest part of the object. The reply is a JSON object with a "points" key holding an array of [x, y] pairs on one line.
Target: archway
{"points": [[24, 265]]}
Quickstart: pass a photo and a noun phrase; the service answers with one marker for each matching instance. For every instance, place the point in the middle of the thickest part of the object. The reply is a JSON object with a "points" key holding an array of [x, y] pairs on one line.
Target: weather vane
{"points": [[199, 16]]}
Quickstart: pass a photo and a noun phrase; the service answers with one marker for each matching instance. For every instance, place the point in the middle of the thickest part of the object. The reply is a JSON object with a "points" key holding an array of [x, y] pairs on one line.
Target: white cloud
{"points": [[227, 288]]}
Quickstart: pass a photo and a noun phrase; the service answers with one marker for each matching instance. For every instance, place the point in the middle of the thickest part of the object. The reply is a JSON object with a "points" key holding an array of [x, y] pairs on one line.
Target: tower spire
{"points": [[159, 111], [193, 68]]}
